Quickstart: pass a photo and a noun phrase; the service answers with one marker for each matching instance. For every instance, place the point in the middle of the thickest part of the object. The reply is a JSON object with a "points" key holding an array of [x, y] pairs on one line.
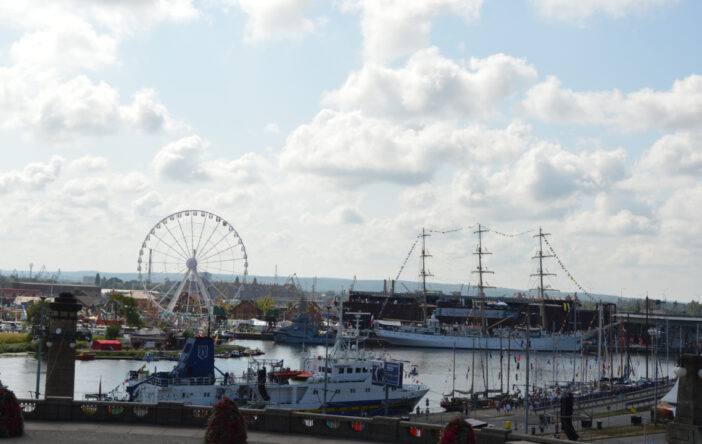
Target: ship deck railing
{"points": [[165, 381]]}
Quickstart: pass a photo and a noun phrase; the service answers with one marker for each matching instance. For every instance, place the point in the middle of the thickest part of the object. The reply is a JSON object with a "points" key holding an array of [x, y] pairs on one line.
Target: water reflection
{"points": [[435, 368]]}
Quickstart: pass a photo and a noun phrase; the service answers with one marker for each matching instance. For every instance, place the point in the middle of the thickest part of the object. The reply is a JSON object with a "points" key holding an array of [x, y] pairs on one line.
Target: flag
{"points": [[372, 320]]}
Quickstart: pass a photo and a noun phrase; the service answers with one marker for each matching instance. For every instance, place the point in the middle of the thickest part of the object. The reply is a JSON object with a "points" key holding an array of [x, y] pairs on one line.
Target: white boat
{"points": [[432, 334], [461, 337], [350, 388]]}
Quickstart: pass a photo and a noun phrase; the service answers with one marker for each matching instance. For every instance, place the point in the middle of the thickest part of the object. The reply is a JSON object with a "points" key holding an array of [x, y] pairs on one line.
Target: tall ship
{"points": [[343, 383], [475, 333]]}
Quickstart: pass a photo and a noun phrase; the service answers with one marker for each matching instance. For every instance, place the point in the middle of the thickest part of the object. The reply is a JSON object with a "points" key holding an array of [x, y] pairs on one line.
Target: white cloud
{"points": [[430, 85], [76, 106], [182, 160], [147, 113], [34, 176], [356, 149], [584, 9], [393, 28], [352, 148], [680, 217], [612, 217], [546, 181], [278, 19], [675, 154], [248, 169], [345, 214], [73, 45], [46, 108], [272, 128], [45, 92], [121, 17], [88, 164], [678, 108]]}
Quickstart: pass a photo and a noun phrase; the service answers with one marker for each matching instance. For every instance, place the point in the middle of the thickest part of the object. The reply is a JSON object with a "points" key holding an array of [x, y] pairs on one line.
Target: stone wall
{"points": [[387, 429]]}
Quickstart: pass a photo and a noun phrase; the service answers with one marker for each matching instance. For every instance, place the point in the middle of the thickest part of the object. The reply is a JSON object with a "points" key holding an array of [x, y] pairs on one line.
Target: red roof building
{"points": [[106, 344]]}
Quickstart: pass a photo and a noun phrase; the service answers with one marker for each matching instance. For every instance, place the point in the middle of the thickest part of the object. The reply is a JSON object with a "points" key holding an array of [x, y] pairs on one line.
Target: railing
{"points": [[596, 399], [385, 429]]}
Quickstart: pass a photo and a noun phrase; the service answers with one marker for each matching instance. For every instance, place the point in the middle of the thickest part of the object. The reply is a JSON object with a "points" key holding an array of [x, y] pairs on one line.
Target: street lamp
{"points": [[326, 359], [656, 334], [39, 349]]}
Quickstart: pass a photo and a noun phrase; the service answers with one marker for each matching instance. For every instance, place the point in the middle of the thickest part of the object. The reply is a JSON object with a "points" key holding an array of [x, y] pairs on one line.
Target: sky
{"points": [[329, 133]]}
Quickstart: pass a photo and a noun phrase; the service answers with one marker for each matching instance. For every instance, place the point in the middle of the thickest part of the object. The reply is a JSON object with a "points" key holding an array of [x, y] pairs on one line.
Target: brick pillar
{"points": [[61, 362]]}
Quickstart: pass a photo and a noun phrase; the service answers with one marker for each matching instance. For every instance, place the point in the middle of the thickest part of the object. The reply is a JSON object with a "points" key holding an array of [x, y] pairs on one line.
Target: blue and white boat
{"points": [[348, 370]]}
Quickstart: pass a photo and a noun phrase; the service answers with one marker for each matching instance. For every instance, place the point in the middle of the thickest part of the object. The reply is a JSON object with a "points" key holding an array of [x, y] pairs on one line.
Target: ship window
{"points": [[337, 391], [314, 392], [367, 389], [365, 370], [352, 390], [358, 369]]}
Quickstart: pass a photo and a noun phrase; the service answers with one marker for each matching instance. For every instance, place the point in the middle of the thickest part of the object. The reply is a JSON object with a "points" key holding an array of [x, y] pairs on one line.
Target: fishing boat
{"points": [[85, 356], [341, 383]]}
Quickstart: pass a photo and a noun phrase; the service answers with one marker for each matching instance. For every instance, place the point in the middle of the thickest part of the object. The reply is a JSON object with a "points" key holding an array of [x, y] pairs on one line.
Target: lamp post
{"points": [[39, 348], [656, 335], [326, 361]]}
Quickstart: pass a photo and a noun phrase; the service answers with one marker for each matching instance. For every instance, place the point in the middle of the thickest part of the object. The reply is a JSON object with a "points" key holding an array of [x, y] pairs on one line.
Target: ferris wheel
{"points": [[186, 260]]}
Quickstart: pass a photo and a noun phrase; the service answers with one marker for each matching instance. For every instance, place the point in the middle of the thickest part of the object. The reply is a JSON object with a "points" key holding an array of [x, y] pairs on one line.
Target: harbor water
{"points": [[435, 368]]}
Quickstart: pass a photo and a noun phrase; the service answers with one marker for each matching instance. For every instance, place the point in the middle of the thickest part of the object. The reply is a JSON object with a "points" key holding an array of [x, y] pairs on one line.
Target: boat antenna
{"points": [[541, 256], [424, 273]]}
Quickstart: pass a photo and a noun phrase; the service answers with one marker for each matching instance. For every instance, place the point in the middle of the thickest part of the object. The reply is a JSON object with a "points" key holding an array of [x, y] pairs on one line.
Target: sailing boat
{"points": [[431, 334], [452, 402]]}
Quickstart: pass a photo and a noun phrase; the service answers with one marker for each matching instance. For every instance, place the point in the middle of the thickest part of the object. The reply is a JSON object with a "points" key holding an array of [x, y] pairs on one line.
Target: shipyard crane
{"points": [[353, 283], [41, 273]]}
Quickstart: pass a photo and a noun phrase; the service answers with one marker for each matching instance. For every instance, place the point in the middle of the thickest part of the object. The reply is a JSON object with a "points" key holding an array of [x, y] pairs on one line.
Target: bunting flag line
{"points": [[453, 230], [511, 235], [404, 263], [563, 267]]}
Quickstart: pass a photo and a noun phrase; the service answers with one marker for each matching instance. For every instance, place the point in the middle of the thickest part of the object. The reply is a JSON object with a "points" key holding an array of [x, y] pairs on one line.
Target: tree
{"points": [[128, 308], [219, 312], [694, 308], [114, 331], [34, 315], [97, 279]]}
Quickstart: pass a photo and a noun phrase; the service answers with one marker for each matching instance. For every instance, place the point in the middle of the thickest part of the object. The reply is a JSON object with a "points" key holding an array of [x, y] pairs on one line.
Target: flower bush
{"points": [[226, 425], [11, 423], [458, 431]]}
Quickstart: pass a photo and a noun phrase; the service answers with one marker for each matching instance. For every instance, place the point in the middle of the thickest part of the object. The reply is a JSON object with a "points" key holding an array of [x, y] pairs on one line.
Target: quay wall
{"points": [[387, 429]]}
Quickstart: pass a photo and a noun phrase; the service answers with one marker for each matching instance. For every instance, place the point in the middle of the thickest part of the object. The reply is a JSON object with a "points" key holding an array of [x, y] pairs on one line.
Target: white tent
{"points": [[672, 396]]}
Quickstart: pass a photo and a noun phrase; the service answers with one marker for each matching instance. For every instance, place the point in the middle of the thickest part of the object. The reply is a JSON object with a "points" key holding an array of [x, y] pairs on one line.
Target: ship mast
{"points": [[480, 252], [424, 273], [541, 256]]}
